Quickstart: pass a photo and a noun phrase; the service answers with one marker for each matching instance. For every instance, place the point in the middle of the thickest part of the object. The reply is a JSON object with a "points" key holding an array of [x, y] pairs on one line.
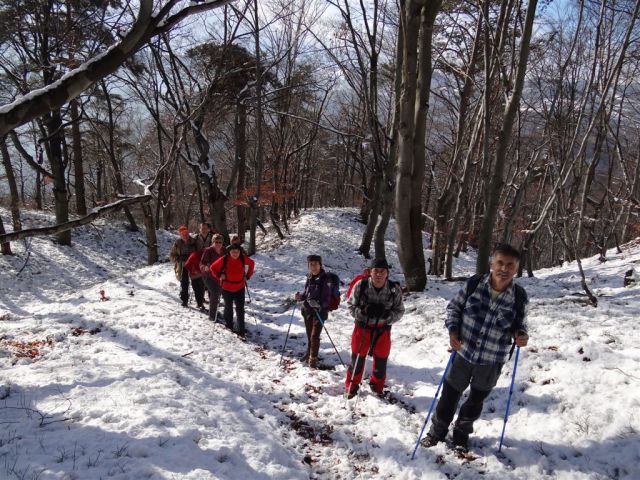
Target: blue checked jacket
{"points": [[485, 327]]}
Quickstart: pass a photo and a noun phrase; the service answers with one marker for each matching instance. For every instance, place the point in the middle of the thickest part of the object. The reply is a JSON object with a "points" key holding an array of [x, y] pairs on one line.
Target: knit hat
{"points": [[314, 258], [182, 228], [234, 246], [218, 238], [380, 263]]}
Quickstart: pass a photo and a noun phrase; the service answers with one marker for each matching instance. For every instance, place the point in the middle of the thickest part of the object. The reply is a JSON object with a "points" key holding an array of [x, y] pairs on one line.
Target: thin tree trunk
{"points": [[78, 167], [13, 186]]}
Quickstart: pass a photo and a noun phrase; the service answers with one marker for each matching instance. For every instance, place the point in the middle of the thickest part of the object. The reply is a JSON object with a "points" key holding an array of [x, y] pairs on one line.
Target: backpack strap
{"points": [[472, 284]]}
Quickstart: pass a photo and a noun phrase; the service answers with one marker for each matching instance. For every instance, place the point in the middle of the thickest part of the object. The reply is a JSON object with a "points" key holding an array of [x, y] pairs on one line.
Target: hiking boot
{"points": [[351, 393], [202, 308], [305, 357], [313, 362], [185, 303], [460, 442], [430, 440], [377, 389]]}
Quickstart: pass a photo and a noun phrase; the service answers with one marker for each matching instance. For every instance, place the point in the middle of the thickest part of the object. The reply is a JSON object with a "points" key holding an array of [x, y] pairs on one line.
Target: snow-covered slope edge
{"points": [[160, 392]]}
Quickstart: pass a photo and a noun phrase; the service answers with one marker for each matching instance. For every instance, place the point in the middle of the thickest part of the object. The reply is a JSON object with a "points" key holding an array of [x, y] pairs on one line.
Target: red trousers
{"points": [[361, 340]]}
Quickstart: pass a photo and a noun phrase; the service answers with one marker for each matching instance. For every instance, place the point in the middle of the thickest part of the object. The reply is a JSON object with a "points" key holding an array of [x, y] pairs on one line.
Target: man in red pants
{"points": [[376, 304]]}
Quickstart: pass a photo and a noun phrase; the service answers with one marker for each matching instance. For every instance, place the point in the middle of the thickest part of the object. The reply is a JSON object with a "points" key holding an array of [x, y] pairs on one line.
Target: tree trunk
{"points": [[78, 167], [53, 123], [416, 23], [150, 233], [494, 188], [5, 247], [13, 186]]}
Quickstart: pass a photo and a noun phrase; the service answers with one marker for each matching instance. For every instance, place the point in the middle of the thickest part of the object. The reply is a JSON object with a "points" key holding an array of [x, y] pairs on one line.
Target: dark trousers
{"points": [[184, 287], [231, 298], [462, 373], [213, 287], [314, 329], [198, 290]]}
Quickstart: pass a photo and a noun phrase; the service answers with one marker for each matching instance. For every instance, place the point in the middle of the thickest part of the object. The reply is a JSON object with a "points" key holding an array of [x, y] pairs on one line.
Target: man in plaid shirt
{"points": [[482, 324]]}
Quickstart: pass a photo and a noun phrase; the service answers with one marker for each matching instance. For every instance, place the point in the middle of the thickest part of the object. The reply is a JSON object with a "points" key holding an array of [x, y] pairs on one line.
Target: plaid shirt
{"points": [[485, 326]]}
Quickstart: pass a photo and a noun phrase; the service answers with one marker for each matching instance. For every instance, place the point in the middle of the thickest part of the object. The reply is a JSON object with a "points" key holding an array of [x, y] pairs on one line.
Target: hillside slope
{"points": [[139, 387]]}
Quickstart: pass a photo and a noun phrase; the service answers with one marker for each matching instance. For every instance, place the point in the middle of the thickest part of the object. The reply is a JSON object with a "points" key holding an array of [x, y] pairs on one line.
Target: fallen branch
{"points": [[62, 227]]}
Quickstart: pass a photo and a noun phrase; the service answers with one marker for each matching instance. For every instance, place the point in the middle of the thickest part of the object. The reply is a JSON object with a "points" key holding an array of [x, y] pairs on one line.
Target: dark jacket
{"points": [[316, 288]]}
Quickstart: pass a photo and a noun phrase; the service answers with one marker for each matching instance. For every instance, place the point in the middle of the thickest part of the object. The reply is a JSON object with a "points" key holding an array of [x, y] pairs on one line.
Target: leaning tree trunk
{"points": [[496, 182]]}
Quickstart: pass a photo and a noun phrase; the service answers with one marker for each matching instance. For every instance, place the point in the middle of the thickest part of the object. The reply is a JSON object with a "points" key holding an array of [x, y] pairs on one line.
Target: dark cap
{"points": [[380, 263], [234, 246], [314, 258]]}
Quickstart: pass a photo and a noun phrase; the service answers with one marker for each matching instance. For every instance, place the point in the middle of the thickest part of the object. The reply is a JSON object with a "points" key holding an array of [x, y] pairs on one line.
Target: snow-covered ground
{"points": [[138, 387]]}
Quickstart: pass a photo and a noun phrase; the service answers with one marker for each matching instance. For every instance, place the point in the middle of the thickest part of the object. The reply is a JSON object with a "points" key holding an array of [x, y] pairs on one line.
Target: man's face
{"points": [[217, 244], [314, 267], [235, 253], [204, 229], [379, 276], [503, 269]]}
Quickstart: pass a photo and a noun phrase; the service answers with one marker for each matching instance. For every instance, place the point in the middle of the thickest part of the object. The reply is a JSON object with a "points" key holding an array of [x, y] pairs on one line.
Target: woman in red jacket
{"points": [[230, 272]]}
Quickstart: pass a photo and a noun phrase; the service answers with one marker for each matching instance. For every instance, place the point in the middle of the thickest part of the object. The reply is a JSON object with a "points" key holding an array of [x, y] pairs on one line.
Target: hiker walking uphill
{"points": [[483, 320], [375, 304], [182, 248], [230, 272], [316, 297], [209, 256]]}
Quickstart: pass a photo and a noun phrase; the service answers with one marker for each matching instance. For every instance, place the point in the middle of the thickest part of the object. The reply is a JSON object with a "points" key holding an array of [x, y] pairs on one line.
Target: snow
{"points": [[139, 387]]}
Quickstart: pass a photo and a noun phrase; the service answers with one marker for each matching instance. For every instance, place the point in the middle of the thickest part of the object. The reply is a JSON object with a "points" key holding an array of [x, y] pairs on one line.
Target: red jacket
{"points": [[234, 272], [193, 264]]}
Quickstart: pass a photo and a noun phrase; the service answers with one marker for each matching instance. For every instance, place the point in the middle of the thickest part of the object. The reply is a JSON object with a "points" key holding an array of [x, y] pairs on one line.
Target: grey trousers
{"points": [[461, 374]]}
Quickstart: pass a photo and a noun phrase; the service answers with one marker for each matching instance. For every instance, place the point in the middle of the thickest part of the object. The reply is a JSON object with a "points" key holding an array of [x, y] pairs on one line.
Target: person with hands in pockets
{"points": [[485, 320], [316, 298], [375, 304]]}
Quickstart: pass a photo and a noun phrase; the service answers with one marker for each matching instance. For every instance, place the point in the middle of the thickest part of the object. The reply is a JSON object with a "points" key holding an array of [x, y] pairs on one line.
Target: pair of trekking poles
{"points": [[293, 312], [506, 413]]}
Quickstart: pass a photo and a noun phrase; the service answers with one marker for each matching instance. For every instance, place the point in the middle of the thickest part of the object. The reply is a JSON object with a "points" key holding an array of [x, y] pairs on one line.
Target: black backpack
{"points": [[521, 301]]}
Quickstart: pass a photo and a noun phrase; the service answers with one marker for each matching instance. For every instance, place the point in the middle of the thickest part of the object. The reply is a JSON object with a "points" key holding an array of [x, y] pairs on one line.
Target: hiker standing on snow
{"points": [[179, 254], [375, 304], [210, 255], [230, 272], [482, 324], [203, 239], [316, 297]]}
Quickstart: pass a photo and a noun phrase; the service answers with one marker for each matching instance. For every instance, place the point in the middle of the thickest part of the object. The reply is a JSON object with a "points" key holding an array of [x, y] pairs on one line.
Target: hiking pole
{"points": [[355, 366], [325, 329], [506, 413], [246, 285], [295, 305], [446, 369]]}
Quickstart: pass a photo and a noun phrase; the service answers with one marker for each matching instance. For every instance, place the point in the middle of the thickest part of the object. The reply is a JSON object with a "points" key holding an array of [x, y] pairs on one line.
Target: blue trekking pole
{"points": [[506, 413], [325, 329], [288, 330], [446, 369]]}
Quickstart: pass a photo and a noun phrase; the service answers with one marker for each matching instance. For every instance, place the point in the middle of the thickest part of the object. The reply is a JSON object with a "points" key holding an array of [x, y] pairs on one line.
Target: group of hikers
{"points": [[205, 262], [485, 320]]}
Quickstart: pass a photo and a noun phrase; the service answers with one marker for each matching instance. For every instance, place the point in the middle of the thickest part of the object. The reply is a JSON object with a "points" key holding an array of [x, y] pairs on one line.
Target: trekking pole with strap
{"points": [[446, 369], [286, 339], [506, 413], [325, 329]]}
